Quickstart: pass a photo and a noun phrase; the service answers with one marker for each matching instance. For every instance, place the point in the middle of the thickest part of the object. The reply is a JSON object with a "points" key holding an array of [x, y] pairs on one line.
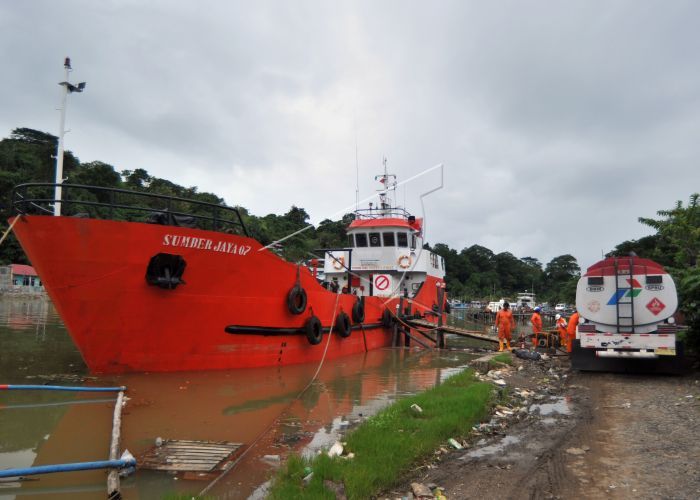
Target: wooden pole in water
{"points": [[406, 341], [440, 334], [113, 476]]}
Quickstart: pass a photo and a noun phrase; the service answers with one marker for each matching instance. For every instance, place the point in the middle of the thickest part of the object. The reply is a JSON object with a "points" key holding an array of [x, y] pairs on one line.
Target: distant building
{"points": [[20, 278]]}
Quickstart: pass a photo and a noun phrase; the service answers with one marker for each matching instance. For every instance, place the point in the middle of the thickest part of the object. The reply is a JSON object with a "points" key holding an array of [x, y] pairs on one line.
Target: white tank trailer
{"points": [[626, 307]]}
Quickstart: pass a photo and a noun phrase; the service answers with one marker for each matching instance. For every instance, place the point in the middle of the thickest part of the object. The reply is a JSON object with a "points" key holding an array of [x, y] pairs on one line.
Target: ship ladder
{"points": [[625, 292]]}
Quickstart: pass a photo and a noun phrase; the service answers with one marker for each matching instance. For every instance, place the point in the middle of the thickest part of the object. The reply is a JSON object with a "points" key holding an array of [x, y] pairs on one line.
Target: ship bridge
{"points": [[384, 253]]}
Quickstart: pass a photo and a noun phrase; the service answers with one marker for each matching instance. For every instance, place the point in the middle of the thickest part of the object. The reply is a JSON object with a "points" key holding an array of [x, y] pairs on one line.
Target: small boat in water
{"points": [[147, 282]]}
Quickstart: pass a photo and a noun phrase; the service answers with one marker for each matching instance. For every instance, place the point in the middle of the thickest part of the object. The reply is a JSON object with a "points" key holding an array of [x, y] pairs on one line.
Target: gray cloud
{"points": [[559, 122]]}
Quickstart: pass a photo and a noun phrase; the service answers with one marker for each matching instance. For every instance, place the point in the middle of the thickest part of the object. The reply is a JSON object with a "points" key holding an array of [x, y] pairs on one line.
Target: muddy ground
{"points": [[564, 434]]}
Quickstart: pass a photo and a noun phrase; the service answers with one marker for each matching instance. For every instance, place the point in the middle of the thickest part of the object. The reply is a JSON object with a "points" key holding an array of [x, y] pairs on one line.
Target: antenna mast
{"points": [[389, 182], [357, 175]]}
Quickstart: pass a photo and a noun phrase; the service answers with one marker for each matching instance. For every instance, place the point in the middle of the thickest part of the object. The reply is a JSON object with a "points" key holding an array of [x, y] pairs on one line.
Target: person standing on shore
{"points": [[505, 324], [536, 321], [560, 323], [571, 330]]}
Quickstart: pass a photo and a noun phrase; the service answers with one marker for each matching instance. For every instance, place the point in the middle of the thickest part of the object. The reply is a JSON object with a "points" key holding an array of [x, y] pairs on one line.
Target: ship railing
{"points": [[381, 213], [123, 204]]}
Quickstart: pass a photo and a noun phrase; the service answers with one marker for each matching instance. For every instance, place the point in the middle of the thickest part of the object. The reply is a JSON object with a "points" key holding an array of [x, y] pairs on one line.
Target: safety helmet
{"points": [[538, 308], [557, 316]]}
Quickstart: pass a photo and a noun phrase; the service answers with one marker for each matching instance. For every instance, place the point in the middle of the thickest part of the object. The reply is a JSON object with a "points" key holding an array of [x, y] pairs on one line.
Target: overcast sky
{"points": [[559, 123]]}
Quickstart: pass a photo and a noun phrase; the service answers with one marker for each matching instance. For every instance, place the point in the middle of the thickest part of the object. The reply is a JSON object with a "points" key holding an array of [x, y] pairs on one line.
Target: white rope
{"points": [[267, 429], [9, 229]]}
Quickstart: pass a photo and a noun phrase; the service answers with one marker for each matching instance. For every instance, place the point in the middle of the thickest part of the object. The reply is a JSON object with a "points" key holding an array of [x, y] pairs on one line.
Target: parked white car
{"points": [[560, 307]]}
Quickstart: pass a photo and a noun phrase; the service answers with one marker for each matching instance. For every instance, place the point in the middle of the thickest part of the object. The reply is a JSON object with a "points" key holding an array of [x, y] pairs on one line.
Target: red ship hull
{"points": [[94, 272]]}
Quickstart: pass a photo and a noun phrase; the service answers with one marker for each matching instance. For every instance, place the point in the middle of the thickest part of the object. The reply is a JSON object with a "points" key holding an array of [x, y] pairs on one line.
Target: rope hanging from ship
{"points": [[289, 405]]}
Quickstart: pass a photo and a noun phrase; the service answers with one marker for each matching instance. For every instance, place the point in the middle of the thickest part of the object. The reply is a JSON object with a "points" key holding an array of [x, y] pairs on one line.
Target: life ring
{"points": [[338, 262], [404, 261], [313, 330], [358, 312], [342, 325], [296, 300]]}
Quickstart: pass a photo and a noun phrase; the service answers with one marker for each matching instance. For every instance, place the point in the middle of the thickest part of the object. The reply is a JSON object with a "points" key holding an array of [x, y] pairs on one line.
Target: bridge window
{"points": [[361, 240], [351, 241], [413, 241], [374, 240], [388, 239], [434, 260], [402, 239]]}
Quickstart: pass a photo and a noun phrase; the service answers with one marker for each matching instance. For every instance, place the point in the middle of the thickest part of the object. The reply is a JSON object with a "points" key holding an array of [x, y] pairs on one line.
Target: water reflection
{"points": [[267, 409]]}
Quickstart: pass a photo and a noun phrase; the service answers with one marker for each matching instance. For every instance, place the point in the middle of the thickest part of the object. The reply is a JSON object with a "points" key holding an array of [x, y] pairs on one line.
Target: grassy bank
{"points": [[388, 443], [505, 358]]}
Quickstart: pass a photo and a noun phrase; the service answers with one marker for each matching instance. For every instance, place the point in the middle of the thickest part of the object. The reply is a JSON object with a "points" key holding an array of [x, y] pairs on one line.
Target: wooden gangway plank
{"points": [[183, 455], [474, 334]]}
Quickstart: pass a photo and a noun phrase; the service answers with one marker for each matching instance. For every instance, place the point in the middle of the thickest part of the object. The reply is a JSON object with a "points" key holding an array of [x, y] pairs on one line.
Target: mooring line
{"points": [[277, 419], [9, 229]]}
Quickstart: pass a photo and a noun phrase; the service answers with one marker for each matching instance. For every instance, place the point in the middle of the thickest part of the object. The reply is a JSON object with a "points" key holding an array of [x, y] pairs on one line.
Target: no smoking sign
{"points": [[382, 284]]}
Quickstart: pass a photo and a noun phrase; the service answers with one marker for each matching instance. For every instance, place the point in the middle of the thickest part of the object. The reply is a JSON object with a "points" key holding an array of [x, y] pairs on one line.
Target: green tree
{"points": [[678, 245], [561, 276]]}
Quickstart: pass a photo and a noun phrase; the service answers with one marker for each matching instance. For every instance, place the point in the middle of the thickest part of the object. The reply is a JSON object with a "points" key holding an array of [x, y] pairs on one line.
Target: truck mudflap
{"points": [[605, 360]]}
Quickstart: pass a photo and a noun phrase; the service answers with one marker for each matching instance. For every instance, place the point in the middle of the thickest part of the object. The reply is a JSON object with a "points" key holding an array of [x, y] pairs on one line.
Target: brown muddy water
{"points": [[261, 408]]}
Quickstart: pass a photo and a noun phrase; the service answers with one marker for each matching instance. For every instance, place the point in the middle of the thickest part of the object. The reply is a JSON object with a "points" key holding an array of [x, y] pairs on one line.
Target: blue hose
{"points": [[47, 469], [61, 388]]}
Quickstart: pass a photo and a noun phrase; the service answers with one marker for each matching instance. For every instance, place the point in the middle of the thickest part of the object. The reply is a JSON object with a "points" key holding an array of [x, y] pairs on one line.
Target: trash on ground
{"points": [[336, 449], [455, 444], [421, 491]]}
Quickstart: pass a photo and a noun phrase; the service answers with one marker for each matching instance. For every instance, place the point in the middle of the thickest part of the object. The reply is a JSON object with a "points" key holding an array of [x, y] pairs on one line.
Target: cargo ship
{"points": [[147, 282]]}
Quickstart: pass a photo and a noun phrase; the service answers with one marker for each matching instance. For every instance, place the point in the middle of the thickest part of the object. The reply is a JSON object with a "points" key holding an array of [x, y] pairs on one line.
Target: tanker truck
{"points": [[626, 307]]}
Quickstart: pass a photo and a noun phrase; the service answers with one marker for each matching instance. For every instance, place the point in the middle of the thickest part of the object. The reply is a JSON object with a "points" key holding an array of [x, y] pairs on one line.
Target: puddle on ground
{"points": [[494, 448], [559, 406]]}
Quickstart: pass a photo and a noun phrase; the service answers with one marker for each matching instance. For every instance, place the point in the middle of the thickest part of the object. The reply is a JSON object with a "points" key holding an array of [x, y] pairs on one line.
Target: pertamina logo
{"points": [[634, 290], [656, 306]]}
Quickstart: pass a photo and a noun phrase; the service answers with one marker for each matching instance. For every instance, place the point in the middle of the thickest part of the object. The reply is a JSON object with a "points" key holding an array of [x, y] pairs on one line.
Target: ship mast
{"points": [[389, 183], [68, 88]]}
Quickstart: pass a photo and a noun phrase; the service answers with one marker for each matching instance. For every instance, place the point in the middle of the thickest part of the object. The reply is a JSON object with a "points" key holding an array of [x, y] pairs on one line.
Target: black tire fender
{"points": [[342, 325], [313, 330], [358, 312], [296, 300], [448, 307]]}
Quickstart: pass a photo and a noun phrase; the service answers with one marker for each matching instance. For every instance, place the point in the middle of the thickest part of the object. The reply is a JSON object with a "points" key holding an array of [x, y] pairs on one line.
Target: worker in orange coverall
{"points": [[561, 328], [571, 330], [505, 324], [536, 321]]}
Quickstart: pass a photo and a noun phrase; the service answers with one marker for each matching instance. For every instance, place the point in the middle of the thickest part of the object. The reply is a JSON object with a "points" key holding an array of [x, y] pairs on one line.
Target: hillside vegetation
{"points": [[474, 272]]}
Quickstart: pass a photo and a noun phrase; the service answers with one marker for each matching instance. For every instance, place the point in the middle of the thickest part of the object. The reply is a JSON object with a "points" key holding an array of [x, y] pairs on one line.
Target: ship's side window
{"points": [[388, 239], [361, 240], [402, 239], [374, 240], [413, 241], [442, 263], [351, 240]]}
